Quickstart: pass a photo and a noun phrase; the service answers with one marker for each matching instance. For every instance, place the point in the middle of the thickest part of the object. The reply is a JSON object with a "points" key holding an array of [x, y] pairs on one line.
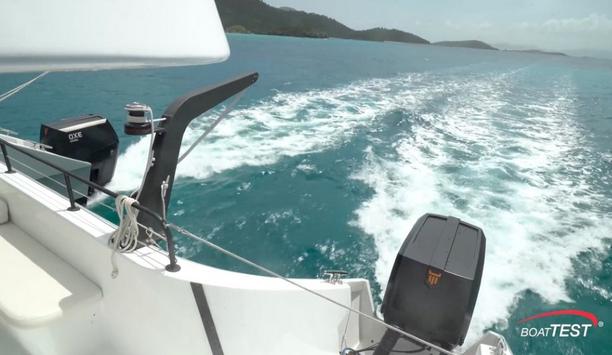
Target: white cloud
{"points": [[592, 24], [590, 32], [593, 31]]}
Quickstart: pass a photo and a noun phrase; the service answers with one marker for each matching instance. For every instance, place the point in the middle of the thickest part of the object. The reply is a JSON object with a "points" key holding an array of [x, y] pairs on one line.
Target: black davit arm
{"points": [[168, 139]]}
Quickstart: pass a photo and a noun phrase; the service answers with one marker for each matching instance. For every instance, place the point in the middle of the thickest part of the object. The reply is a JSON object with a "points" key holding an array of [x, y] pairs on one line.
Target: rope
{"points": [[17, 89], [348, 320], [150, 156], [150, 232], [227, 110], [274, 274], [125, 238]]}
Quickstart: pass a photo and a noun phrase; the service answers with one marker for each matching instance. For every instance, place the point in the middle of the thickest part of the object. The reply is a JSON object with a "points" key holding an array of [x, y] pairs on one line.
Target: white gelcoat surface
{"points": [[38, 35], [40, 286], [147, 310], [253, 314]]}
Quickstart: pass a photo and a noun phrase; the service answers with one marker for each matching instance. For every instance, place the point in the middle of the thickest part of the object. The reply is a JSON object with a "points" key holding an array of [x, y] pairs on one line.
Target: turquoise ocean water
{"points": [[331, 157]]}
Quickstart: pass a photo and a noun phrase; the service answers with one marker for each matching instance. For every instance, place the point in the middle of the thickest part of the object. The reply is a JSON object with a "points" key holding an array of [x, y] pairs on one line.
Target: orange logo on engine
{"points": [[433, 278]]}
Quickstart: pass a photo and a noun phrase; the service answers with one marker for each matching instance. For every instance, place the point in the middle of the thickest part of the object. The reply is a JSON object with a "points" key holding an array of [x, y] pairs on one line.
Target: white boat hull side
{"points": [[147, 310]]}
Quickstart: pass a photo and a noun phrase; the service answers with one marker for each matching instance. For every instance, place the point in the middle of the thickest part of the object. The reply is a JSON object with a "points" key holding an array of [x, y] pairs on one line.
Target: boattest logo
{"points": [[578, 328]]}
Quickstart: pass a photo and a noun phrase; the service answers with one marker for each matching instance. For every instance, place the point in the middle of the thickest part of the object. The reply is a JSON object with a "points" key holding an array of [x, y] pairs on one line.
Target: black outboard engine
{"points": [[434, 283], [88, 138]]}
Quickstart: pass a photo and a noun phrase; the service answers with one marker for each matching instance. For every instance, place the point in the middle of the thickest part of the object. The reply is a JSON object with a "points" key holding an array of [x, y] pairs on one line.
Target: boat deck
{"points": [[42, 286]]}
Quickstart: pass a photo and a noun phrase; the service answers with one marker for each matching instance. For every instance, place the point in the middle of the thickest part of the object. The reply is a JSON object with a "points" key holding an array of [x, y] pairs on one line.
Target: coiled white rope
{"points": [[125, 238]]}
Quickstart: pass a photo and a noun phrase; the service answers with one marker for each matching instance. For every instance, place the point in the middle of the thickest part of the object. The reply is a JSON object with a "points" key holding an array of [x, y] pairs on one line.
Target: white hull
{"points": [[252, 314], [146, 309], [58, 296]]}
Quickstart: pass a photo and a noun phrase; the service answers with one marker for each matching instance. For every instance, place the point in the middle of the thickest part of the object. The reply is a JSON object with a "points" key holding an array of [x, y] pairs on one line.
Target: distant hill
{"points": [[384, 34], [537, 51], [465, 44], [255, 16]]}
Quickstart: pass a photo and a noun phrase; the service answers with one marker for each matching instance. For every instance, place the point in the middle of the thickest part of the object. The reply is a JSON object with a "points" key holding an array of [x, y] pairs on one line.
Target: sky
{"points": [[578, 26]]}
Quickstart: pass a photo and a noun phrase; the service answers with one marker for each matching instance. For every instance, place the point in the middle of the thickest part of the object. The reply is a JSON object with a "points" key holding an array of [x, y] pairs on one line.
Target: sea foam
{"points": [[515, 169], [512, 163]]}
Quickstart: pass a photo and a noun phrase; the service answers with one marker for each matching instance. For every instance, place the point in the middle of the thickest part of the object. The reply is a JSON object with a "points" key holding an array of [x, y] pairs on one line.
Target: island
{"points": [[537, 51], [466, 44], [255, 16]]}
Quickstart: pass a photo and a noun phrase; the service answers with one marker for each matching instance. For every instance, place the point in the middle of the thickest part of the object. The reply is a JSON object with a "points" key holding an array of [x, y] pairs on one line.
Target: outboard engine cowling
{"points": [[89, 138], [434, 283]]}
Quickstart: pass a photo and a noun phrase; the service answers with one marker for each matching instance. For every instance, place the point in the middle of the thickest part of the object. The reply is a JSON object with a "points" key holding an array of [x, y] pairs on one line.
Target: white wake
{"points": [[509, 164], [504, 160]]}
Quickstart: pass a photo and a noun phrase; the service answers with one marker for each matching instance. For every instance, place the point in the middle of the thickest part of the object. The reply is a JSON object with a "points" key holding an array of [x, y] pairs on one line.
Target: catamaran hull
{"points": [[74, 306], [148, 310]]}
